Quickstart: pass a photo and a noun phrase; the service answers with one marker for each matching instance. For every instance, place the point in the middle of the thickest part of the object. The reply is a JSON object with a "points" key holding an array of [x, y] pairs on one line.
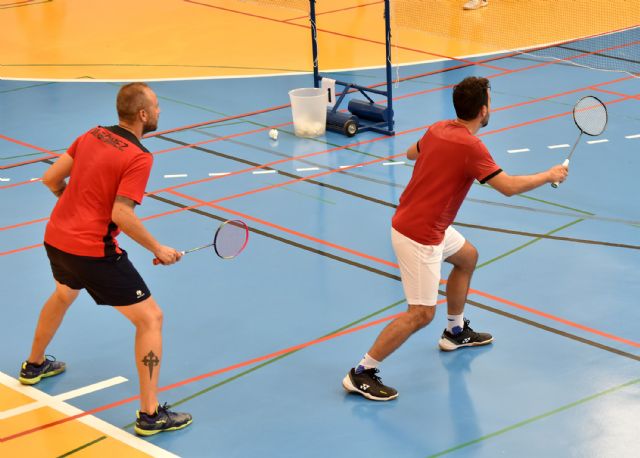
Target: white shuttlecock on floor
{"points": [[273, 134]]}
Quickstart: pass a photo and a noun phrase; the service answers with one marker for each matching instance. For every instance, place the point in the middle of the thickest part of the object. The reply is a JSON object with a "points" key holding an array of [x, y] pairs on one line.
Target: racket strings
{"points": [[590, 116], [231, 238]]}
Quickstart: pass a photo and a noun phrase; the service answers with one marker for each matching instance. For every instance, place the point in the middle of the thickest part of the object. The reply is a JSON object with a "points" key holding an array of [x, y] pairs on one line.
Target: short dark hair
{"points": [[469, 95], [132, 98]]}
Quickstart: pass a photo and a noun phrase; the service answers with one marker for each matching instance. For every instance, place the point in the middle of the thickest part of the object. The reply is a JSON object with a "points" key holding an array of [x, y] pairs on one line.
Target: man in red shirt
{"points": [[109, 170], [449, 157]]}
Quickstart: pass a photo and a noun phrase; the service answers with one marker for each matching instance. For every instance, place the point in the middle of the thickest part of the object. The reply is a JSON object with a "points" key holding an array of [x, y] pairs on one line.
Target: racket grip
{"points": [[565, 164], [156, 261]]}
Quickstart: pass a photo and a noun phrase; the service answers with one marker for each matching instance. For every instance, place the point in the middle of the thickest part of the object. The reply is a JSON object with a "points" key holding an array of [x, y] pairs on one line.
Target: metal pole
{"points": [[387, 25], [314, 42]]}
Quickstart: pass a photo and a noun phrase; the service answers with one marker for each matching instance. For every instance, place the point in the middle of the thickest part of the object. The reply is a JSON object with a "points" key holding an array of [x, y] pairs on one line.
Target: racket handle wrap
{"points": [[156, 261], [565, 164]]}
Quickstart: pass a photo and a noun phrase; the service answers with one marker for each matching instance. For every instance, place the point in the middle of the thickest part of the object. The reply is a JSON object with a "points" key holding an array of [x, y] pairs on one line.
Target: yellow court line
{"points": [[66, 436]]}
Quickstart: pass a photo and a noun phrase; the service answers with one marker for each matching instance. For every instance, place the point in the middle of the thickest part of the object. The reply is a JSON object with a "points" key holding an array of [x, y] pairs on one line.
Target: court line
{"points": [[4, 414], [83, 417], [343, 35], [394, 265], [288, 350], [535, 418], [27, 145]]}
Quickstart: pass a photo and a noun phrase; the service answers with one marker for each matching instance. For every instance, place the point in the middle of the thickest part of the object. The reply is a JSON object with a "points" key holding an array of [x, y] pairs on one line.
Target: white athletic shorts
{"points": [[420, 264]]}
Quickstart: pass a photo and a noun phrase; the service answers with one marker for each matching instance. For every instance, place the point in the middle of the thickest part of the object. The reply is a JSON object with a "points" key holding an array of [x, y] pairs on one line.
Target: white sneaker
{"points": [[475, 4]]}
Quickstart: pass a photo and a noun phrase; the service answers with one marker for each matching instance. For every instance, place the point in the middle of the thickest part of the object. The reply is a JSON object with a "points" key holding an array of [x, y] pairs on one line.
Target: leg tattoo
{"points": [[151, 360]]}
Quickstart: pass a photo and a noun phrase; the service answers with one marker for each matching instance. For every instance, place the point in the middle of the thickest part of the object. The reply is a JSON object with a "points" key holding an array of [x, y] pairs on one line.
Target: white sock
{"points": [[455, 323], [366, 363]]}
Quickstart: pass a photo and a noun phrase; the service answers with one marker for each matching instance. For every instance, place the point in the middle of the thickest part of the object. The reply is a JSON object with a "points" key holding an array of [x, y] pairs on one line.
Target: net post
{"points": [[387, 26], [314, 42]]}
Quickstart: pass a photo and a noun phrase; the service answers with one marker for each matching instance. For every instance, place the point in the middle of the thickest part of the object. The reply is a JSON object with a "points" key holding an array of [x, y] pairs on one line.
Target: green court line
{"points": [[26, 87], [287, 188], [530, 242], [82, 447], [277, 358], [536, 418]]}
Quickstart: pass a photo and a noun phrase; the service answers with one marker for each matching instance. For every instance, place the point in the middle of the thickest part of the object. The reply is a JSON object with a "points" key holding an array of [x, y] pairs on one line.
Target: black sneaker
{"points": [[163, 420], [369, 385], [30, 373], [466, 338]]}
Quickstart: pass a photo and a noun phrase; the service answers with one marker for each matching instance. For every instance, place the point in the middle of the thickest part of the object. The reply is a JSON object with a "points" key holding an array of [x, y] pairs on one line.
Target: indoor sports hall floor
{"points": [[255, 348]]}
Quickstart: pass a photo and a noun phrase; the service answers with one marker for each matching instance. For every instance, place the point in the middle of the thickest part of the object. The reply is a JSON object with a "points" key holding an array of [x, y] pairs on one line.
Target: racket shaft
{"points": [[197, 248]]}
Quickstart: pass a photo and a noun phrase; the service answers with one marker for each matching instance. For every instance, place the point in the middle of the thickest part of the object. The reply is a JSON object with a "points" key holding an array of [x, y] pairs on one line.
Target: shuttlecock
{"points": [[273, 134]]}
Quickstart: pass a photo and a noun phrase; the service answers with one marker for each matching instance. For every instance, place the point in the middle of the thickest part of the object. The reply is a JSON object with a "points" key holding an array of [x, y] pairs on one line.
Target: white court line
{"points": [[63, 397], [262, 172], [347, 166], [632, 136], [90, 420], [177, 175], [35, 179], [5, 179], [521, 150], [593, 142], [307, 169], [564, 145], [218, 174], [393, 163]]}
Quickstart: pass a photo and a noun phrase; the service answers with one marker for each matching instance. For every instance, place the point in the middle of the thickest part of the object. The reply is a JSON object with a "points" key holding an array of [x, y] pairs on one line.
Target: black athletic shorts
{"points": [[111, 280]]}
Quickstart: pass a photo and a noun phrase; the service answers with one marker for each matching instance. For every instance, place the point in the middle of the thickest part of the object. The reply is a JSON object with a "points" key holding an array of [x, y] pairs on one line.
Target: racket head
{"points": [[590, 115], [231, 238]]}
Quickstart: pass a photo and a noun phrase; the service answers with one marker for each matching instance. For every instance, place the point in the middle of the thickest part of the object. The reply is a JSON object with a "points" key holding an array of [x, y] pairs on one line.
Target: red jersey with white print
{"points": [[107, 162], [449, 159]]}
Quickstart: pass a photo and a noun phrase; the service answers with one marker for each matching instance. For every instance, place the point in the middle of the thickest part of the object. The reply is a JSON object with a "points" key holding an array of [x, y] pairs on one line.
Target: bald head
{"points": [[137, 104]]}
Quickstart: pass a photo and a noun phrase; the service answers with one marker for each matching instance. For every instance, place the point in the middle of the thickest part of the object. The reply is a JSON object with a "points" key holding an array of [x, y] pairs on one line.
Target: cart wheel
{"points": [[350, 128]]}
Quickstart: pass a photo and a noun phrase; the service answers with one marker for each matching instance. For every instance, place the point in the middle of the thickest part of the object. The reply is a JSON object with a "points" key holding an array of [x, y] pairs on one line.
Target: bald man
{"points": [[109, 170]]}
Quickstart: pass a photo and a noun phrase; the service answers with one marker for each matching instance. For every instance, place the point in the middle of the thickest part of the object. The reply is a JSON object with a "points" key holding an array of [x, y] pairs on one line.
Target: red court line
{"points": [[270, 164], [293, 232], [391, 264], [555, 318], [333, 11], [331, 32], [204, 376], [28, 145], [17, 250], [26, 223], [13, 185]]}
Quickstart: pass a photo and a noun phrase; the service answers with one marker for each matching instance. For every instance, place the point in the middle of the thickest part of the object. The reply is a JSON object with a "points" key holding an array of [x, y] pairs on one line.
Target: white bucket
{"points": [[309, 110]]}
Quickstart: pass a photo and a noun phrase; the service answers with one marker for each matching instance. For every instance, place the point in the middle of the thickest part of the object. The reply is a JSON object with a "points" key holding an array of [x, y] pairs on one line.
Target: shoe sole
{"points": [[33, 381], [447, 345], [348, 386], [147, 433], [482, 5]]}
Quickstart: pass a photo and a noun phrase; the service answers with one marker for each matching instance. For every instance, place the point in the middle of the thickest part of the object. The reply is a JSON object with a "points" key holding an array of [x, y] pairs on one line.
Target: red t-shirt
{"points": [[450, 159], [107, 162]]}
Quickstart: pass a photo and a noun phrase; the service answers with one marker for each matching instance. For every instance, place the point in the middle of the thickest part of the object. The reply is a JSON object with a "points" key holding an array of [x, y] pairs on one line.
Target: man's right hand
{"points": [[557, 173], [167, 255]]}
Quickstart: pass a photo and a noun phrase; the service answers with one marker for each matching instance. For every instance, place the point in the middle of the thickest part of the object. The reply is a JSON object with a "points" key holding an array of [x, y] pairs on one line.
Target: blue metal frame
{"points": [[385, 127]]}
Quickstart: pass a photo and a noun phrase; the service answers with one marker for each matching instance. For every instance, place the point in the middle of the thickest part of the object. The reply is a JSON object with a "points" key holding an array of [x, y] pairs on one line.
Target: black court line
{"points": [[397, 278], [392, 205], [599, 54]]}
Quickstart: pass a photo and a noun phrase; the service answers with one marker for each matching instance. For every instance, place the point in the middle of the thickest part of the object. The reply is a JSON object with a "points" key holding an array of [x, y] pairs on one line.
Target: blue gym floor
{"points": [[557, 283]]}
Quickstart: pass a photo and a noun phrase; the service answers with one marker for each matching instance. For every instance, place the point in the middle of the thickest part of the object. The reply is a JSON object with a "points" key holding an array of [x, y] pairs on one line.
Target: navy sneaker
{"points": [[163, 420], [465, 338], [369, 385], [30, 373]]}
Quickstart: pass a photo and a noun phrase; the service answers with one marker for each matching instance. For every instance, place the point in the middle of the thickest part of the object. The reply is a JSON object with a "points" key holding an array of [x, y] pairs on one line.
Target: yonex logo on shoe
{"points": [[466, 340], [364, 387]]}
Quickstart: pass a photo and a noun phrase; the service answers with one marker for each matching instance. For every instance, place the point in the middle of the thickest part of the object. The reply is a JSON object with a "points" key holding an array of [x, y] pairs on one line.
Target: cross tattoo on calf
{"points": [[151, 360]]}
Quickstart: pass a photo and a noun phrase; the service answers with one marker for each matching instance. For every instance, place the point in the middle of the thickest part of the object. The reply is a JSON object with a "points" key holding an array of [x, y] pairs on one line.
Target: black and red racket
{"points": [[228, 242]]}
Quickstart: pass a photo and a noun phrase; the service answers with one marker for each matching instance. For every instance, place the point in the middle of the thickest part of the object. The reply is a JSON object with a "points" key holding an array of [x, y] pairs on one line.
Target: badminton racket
{"points": [[590, 115], [230, 239]]}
